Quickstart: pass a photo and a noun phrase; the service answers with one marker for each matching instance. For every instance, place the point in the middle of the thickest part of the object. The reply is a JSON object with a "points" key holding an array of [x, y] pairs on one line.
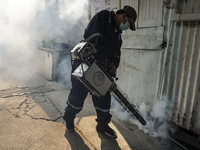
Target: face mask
{"points": [[124, 26]]}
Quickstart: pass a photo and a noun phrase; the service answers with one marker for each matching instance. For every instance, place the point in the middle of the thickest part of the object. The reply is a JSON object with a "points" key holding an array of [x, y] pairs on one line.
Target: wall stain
{"points": [[133, 67]]}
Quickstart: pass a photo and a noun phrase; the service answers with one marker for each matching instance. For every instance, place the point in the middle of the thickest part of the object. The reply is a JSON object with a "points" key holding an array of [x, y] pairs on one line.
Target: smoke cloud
{"points": [[157, 117], [16, 48], [25, 24]]}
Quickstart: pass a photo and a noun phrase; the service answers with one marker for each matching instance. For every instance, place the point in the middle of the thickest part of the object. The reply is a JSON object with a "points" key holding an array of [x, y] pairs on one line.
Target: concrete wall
{"points": [[139, 66], [138, 73], [139, 69]]}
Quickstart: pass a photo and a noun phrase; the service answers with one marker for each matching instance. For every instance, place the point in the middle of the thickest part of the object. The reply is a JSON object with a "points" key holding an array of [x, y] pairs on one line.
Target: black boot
{"points": [[106, 130]]}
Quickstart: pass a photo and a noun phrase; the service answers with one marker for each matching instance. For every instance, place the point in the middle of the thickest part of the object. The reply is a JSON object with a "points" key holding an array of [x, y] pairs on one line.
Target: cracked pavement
{"points": [[25, 99], [28, 104], [31, 118]]}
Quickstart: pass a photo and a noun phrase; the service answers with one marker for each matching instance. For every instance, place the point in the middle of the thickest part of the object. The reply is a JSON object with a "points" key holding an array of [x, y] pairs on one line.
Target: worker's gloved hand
{"points": [[103, 62], [112, 69]]}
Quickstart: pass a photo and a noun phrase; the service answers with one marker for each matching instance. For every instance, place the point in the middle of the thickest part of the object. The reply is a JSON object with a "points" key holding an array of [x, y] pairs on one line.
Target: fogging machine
{"points": [[97, 78]]}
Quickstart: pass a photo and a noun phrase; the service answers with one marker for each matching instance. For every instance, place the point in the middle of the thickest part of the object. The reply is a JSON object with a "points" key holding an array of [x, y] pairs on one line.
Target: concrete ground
{"points": [[31, 118]]}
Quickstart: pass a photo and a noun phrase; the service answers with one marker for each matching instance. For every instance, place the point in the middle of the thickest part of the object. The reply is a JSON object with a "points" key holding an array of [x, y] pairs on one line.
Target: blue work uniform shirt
{"points": [[102, 32]]}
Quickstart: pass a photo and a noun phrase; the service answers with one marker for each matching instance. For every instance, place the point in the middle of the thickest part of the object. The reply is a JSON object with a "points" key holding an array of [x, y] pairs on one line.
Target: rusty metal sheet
{"points": [[182, 79]]}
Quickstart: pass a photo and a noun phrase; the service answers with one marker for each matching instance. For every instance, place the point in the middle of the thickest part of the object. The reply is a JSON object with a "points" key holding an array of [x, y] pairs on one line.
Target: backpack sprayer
{"points": [[97, 79]]}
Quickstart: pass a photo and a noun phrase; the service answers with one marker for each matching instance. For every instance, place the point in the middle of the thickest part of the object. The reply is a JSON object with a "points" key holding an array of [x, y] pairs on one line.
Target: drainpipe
{"points": [[175, 16], [160, 89]]}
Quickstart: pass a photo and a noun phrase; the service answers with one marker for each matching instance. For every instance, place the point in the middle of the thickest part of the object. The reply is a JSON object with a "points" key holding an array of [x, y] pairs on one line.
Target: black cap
{"points": [[130, 11]]}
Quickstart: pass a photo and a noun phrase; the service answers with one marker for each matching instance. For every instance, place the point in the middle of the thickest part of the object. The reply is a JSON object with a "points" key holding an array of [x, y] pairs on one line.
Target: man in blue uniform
{"points": [[104, 32]]}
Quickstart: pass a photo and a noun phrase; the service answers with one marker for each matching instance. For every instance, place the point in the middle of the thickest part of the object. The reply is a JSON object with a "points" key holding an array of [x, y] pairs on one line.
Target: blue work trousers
{"points": [[76, 100]]}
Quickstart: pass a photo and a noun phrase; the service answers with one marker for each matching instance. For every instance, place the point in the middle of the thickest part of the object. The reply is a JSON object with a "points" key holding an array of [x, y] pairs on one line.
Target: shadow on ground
{"points": [[76, 141]]}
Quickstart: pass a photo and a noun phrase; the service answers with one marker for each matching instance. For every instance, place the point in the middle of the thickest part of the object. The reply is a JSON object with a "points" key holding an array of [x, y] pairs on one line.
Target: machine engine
{"points": [[97, 79]]}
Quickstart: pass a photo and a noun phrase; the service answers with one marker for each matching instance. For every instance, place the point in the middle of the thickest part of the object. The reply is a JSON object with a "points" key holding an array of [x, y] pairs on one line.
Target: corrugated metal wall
{"points": [[182, 78]]}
